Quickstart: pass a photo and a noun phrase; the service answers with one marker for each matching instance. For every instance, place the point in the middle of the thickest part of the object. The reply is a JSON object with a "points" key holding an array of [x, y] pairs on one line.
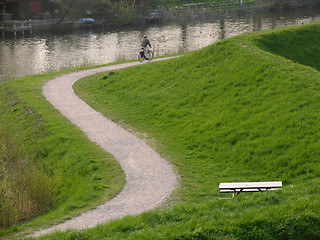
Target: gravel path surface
{"points": [[149, 178]]}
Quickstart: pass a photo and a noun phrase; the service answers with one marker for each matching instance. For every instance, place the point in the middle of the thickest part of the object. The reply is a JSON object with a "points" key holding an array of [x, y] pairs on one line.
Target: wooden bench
{"points": [[237, 188]]}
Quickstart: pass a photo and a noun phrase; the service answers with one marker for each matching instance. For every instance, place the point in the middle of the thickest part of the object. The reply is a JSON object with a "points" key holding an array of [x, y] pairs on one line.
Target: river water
{"points": [[44, 52]]}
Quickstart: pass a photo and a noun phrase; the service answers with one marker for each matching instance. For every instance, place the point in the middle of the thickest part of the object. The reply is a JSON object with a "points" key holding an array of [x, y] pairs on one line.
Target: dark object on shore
{"points": [[154, 17]]}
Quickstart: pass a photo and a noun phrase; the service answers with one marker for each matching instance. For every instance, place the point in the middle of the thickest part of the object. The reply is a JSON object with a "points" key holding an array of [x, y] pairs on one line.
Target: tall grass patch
{"points": [[26, 189]]}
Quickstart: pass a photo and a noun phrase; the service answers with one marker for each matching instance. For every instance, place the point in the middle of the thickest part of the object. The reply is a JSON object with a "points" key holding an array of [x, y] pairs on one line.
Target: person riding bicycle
{"points": [[144, 45]]}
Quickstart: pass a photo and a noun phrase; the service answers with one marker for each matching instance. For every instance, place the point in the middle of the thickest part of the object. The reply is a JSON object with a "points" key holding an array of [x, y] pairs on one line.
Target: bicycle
{"points": [[148, 55]]}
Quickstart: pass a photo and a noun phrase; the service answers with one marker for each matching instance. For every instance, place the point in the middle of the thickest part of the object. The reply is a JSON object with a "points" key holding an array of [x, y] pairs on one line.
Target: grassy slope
{"points": [[228, 112], [85, 173]]}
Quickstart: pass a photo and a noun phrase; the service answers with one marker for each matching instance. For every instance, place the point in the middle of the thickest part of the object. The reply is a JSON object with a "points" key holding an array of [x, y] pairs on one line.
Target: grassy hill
{"points": [[243, 109]]}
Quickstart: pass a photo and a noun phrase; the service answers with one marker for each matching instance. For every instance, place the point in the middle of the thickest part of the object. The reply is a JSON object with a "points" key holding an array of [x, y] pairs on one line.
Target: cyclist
{"points": [[144, 45]]}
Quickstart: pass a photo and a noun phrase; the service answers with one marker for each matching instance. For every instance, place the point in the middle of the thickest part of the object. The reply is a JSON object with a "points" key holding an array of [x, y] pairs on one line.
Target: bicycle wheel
{"points": [[140, 57], [150, 55]]}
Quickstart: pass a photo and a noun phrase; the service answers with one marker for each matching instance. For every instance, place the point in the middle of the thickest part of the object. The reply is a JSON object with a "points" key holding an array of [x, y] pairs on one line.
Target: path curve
{"points": [[149, 178]]}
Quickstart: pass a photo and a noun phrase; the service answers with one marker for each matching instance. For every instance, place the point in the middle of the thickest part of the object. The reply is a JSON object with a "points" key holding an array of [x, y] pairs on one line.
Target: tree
{"points": [[70, 8], [115, 12]]}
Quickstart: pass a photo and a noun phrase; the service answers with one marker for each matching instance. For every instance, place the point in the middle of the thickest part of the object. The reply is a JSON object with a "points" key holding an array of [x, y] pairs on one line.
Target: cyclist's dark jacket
{"points": [[145, 42]]}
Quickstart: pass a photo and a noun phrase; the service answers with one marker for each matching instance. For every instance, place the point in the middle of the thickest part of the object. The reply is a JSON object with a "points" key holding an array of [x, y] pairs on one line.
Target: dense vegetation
{"points": [[113, 12], [123, 12], [46, 164], [233, 111], [20, 196], [186, 3]]}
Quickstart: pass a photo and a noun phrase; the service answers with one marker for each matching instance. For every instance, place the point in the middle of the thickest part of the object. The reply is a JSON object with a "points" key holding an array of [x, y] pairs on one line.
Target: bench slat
{"points": [[237, 188], [248, 185]]}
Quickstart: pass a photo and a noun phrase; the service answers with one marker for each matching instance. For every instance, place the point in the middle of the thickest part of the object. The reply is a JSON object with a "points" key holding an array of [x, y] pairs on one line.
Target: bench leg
{"points": [[239, 191], [235, 192]]}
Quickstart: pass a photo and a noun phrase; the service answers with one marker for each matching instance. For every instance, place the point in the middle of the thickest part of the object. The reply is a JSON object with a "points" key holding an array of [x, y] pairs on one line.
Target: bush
{"points": [[25, 189]]}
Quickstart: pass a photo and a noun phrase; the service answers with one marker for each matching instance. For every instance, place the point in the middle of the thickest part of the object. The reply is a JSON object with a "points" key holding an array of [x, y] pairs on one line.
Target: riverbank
{"points": [[55, 51]]}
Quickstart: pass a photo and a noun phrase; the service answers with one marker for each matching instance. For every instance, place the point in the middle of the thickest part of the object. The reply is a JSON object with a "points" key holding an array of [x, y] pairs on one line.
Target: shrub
{"points": [[25, 189]]}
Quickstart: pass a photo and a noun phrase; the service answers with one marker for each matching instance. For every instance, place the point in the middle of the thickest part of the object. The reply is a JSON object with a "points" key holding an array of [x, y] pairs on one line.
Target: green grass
{"points": [[234, 111], [84, 173], [243, 109]]}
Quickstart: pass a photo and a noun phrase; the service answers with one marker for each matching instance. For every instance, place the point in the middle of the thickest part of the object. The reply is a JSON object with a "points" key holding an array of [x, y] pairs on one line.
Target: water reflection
{"points": [[40, 54]]}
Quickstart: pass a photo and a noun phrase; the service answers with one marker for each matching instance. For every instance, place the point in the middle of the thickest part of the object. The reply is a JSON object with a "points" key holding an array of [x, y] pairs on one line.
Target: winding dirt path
{"points": [[149, 178]]}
